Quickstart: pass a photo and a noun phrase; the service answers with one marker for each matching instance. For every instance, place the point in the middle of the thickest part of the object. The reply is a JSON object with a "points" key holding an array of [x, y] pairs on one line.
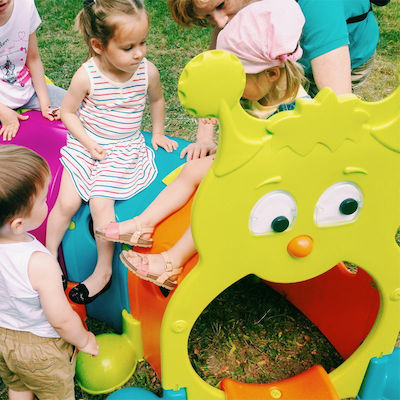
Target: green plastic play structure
{"points": [[287, 199]]}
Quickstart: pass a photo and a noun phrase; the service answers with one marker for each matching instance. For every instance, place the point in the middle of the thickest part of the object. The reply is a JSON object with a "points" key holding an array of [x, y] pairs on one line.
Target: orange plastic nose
{"points": [[300, 246]]}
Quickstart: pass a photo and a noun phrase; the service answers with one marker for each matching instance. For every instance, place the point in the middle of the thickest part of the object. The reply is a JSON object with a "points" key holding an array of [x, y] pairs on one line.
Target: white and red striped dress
{"points": [[111, 115]]}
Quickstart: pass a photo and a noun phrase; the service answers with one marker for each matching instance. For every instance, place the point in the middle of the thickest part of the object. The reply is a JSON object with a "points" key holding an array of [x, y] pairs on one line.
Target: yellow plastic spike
{"points": [[172, 175]]}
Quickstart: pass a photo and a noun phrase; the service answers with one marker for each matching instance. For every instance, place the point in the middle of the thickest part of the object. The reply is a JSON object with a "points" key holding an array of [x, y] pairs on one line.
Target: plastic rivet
{"points": [[275, 393], [179, 326]]}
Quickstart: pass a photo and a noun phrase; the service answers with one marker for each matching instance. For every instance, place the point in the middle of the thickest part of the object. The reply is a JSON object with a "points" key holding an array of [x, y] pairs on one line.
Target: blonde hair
{"points": [[23, 174], [93, 21], [294, 78], [286, 91]]}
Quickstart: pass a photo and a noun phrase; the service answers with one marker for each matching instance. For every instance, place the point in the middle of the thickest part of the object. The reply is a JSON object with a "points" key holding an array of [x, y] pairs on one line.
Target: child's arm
{"points": [[204, 144], [9, 122], [45, 277], [157, 111], [34, 63], [78, 89]]}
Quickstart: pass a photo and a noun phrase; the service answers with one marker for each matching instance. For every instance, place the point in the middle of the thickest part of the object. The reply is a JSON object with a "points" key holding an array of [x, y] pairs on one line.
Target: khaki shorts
{"points": [[45, 366], [360, 74]]}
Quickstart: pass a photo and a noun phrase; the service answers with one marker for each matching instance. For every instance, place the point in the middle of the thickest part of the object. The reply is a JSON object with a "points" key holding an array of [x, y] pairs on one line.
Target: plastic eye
{"points": [[273, 212], [280, 224], [348, 206], [340, 204]]}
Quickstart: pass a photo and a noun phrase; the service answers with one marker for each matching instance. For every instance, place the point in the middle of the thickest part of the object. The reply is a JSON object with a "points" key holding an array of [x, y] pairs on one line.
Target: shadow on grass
{"points": [[252, 334]]}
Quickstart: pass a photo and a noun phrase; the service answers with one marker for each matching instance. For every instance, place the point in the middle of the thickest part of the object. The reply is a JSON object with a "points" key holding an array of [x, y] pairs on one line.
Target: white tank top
{"points": [[20, 308]]}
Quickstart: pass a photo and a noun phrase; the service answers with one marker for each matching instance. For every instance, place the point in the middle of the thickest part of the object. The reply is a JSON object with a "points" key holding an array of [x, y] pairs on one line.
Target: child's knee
{"points": [[101, 208], [95, 208], [194, 171], [66, 207], [188, 175]]}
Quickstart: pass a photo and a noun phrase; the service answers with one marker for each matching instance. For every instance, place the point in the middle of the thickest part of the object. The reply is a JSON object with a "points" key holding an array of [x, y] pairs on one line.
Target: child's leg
{"points": [[102, 211], [173, 197], [178, 192], [56, 96], [155, 265], [13, 395], [67, 204]]}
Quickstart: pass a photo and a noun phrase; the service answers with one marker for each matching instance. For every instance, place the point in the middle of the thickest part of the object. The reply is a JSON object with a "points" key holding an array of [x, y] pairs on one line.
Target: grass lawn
{"points": [[249, 332]]}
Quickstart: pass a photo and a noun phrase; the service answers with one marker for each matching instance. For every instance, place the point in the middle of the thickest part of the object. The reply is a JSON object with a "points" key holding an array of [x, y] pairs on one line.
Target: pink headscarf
{"points": [[264, 34]]}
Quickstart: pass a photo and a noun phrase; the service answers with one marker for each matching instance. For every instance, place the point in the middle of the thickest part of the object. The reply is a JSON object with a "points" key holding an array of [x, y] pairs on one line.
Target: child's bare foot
{"points": [[161, 269], [132, 231]]}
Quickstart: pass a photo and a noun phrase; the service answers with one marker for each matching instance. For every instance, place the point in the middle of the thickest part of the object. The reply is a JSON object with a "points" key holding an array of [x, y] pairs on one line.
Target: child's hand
{"points": [[161, 140], [52, 114], [211, 121], [198, 150], [91, 346], [96, 151], [10, 122]]}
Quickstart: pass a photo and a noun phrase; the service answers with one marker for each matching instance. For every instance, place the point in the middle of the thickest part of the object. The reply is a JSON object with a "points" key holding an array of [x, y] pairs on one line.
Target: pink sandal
{"points": [[111, 233], [142, 270]]}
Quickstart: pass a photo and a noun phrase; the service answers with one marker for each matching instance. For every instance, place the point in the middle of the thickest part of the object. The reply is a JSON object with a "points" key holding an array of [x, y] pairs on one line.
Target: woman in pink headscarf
{"points": [[268, 53]]}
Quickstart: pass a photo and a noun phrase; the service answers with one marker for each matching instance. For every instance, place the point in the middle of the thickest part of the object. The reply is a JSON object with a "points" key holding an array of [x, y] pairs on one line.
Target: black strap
{"points": [[359, 18], [380, 3]]}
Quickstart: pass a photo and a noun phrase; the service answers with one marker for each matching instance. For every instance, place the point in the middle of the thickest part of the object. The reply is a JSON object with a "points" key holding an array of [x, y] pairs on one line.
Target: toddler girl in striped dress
{"points": [[106, 158]]}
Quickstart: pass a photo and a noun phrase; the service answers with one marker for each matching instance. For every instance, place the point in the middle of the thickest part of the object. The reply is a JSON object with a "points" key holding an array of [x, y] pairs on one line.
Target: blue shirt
{"points": [[326, 29]]}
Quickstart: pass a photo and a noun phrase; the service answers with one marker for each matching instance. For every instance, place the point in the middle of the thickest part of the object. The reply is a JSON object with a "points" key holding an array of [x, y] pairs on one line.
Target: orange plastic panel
{"points": [[313, 384], [146, 301], [342, 304], [80, 309]]}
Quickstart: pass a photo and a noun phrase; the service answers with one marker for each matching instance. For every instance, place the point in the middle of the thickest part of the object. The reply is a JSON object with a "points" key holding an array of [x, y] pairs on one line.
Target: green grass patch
{"points": [[252, 334]]}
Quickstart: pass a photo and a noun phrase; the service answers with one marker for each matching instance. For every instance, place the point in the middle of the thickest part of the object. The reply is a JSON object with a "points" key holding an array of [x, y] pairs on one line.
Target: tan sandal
{"points": [[111, 234], [142, 270]]}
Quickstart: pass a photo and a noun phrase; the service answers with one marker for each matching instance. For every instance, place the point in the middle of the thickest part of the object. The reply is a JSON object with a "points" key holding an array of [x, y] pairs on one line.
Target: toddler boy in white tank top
{"points": [[38, 327]]}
